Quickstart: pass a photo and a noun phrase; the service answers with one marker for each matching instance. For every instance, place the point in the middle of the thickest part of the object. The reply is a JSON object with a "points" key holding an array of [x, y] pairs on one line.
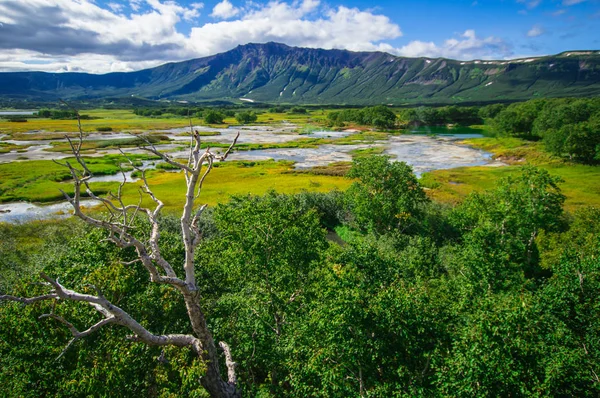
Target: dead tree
{"points": [[119, 225]]}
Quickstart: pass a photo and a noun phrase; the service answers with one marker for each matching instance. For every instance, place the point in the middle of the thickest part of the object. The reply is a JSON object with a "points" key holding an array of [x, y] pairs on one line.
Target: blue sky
{"points": [[118, 35]]}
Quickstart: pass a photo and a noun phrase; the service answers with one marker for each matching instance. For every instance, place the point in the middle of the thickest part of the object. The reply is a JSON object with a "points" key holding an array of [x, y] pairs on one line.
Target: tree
{"points": [[261, 262], [386, 196], [246, 117], [122, 232], [500, 228], [213, 117]]}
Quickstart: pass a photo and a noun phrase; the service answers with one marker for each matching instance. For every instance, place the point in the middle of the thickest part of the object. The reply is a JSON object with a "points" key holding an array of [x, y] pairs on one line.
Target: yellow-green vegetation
{"points": [[92, 145], [121, 120], [377, 150], [314, 116], [6, 147], [514, 150], [581, 183], [232, 178], [41, 181], [117, 119]]}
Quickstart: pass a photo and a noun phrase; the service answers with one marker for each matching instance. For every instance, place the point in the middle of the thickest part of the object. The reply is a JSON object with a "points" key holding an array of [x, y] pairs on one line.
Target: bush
{"points": [[297, 109], [246, 117], [213, 117]]}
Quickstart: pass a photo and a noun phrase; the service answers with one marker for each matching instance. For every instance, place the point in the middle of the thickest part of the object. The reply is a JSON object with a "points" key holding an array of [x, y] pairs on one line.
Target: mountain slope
{"points": [[277, 73]]}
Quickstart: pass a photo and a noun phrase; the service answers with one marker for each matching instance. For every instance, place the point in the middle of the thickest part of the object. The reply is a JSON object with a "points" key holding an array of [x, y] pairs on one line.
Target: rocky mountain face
{"points": [[277, 73]]}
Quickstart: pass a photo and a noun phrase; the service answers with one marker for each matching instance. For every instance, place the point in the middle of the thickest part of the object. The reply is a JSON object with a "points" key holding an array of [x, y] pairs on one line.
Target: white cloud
{"points": [[135, 4], [59, 35], [345, 28], [467, 47], [531, 4], [224, 10], [535, 31], [571, 2], [116, 7]]}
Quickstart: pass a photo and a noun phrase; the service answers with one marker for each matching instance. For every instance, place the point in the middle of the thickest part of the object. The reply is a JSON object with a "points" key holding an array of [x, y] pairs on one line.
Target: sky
{"points": [[100, 36]]}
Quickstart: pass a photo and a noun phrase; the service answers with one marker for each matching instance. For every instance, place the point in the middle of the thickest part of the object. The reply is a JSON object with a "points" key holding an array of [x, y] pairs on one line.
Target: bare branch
{"points": [[76, 333], [151, 148], [28, 301], [223, 157], [229, 363]]}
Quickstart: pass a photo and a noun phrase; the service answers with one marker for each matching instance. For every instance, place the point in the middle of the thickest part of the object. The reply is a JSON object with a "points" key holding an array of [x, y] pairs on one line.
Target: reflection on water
{"points": [[304, 157], [425, 153]]}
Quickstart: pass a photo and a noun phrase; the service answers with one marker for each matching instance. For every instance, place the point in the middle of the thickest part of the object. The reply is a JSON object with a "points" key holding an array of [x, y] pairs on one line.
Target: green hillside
{"points": [[277, 73]]}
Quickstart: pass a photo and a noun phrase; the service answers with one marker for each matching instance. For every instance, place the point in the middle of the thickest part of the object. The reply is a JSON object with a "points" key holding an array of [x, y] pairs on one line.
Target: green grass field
{"points": [[41, 181], [236, 178]]}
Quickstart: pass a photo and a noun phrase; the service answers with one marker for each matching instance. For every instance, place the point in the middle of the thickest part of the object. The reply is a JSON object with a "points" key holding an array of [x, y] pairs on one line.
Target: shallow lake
{"points": [[23, 212], [16, 113]]}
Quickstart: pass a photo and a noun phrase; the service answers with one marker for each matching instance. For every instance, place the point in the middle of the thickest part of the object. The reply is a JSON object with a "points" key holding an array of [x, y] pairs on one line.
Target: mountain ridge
{"points": [[277, 73]]}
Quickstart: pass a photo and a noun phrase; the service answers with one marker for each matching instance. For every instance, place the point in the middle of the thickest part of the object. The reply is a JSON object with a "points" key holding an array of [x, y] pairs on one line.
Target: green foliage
{"points": [[171, 111], [57, 113], [262, 262], [430, 116], [106, 364], [297, 109], [213, 117], [246, 117], [500, 228], [495, 297], [387, 195], [568, 127], [277, 109], [379, 116]]}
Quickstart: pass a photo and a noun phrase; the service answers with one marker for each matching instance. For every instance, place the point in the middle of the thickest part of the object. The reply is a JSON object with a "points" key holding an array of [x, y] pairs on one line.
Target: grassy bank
{"points": [[581, 182]]}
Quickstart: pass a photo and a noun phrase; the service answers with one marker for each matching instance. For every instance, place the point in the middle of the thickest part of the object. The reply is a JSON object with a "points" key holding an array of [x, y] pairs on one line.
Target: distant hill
{"points": [[277, 73]]}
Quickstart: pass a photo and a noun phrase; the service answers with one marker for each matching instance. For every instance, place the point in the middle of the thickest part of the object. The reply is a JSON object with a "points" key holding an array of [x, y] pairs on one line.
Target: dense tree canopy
{"points": [[497, 296], [568, 127], [378, 116]]}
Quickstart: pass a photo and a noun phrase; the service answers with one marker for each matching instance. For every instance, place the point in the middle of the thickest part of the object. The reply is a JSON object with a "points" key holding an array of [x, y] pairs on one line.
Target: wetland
{"points": [[287, 155]]}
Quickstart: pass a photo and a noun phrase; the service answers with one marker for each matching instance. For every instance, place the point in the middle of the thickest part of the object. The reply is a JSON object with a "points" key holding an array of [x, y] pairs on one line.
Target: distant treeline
{"points": [[200, 111], [60, 114], [383, 117], [180, 111], [569, 127], [57, 114], [428, 116], [378, 116]]}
